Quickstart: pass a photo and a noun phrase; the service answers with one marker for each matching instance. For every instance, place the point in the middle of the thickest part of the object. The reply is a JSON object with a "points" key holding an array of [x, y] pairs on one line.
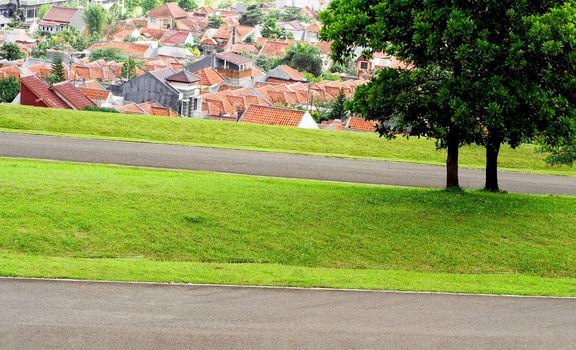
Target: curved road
{"points": [[42, 314], [266, 164]]}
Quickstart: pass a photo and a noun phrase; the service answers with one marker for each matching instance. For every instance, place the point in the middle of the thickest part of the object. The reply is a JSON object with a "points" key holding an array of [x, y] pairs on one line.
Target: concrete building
{"points": [[60, 18], [177, 90], [235, 69]]}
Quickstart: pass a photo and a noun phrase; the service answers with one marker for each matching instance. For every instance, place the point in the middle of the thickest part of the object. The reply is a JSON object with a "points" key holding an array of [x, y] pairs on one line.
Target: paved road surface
{"points": [[264, 163], [91, 315]]}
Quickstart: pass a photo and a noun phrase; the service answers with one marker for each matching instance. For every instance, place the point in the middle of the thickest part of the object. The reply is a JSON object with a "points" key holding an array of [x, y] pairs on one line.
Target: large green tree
{"points": [[10, 52], [57, 74], [9, 89], [188, 5], [304, 57], [95, 18], [252, 16], [481, 71]]}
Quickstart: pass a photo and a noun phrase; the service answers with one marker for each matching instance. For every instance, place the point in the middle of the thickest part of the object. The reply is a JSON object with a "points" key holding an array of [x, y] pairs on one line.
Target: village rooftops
{"points": [[60, 14], [168, 10], [183, 76], [268, 115], [233, 58]]}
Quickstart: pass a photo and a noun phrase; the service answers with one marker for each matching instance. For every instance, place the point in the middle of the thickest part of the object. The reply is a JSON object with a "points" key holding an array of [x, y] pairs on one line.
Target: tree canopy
{"points": [[57, 74], [252, 16], [304, 57], [9, 89], [95, 18], [107, 54], [485, 72], [188, 5], [10, 52]]}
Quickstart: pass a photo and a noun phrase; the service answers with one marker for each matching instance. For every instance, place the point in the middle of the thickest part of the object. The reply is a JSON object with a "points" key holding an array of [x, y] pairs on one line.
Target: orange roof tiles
{"points": [[170, 9], [60, 14], [361, 124], [72, 95], [95, 94], [209, 76], [258, 114], [126, 48]]}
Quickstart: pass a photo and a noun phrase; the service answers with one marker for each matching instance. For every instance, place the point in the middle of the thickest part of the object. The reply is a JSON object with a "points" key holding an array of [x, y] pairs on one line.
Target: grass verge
{"points": [[219, 228], [257, 137], [144, 270]]}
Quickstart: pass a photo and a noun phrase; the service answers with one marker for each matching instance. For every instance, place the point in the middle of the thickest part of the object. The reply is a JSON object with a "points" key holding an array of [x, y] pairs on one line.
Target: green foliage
{"points": [[268, 63], [129, 68], [347, 66], [338, 109], [43, 10], [252, 16], [68, 39], [305, 58], [498, 73], [292, 13], [271, 30], [9, 89], [194, 51], [100, 109], [10, 52], [57, 74], [107, 54], [215, 21], [188, 5], [148, 5], [561, 153], [95, 18]]}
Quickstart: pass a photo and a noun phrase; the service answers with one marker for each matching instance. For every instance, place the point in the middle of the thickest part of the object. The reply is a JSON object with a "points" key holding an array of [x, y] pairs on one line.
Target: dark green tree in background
{"points": [[486, 72], [215, 21], [9, 89], [10, 52], [252, 16], [57, 74], [338, 110], [188, 5], [304, 57], [95, 18]]}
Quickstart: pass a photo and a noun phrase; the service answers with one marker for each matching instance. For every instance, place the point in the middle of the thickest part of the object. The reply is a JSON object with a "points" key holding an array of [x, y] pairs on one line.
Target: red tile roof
{"points": [[72, 95], [178, 38], [259, 114], [233, 58], [60, 14], [95, 94], [42, 91], [126, 48], [209, 76], [171, 10], [361, 124]]}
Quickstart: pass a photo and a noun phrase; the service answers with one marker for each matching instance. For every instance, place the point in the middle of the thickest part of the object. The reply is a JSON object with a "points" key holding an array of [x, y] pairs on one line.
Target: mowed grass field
{"points": [[257, 137], [107, 222]]}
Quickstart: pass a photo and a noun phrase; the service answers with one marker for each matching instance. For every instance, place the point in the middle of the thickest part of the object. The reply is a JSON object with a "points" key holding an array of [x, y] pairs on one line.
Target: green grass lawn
{"points": [[257, 137], [86, 221]]}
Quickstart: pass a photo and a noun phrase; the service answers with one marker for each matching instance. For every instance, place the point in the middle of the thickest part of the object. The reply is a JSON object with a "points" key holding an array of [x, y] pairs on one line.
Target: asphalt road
{"points": [[267, 164], [95, 315]]}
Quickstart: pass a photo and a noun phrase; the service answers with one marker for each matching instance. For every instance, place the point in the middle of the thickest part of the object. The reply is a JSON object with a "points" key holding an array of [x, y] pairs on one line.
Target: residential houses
{"points": [[60, 18], [178, 90]]}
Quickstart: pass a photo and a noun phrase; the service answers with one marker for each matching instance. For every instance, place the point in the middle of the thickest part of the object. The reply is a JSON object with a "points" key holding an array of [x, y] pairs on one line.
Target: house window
{"points": [[363, 65], [195, 104]]}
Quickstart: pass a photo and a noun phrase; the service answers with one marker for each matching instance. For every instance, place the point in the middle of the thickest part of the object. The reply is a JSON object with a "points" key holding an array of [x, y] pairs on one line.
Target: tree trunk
{"points": [[492, 150], [452, 161]]}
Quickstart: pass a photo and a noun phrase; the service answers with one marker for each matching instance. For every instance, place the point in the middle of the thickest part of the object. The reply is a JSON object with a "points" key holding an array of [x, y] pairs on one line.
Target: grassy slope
{"points": [[186, 219], [256, 137]]}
